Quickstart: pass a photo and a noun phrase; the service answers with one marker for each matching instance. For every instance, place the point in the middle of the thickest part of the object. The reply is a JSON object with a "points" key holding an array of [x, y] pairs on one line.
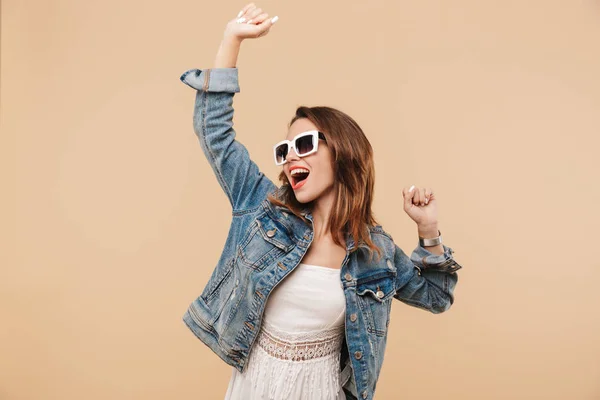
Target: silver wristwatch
{"points": [[431, 242]]}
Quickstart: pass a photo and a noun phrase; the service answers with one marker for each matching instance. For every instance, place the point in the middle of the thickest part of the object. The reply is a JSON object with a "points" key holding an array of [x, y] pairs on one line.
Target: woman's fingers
{"points": [[408, 196], [258, 19], [250, 15], [417, 196], [425, 195], [422, 197], [264, 28], [243, 14], [252, 23], [428, 194], [246, 8]]}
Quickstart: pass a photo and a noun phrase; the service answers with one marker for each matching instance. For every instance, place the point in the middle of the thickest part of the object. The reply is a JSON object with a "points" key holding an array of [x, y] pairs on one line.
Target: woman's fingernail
{"points": [[249, 21], [426, 201], [411, 188], [240, 14], [239, 21], [274, 19]]}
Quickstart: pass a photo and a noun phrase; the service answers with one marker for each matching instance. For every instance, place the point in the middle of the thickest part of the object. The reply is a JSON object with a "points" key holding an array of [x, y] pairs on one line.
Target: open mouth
{"points": [[298, 179]]}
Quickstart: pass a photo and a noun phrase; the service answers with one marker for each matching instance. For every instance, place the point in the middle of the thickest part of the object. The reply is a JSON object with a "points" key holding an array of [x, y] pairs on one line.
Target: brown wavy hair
{"points": [[354, 177]]}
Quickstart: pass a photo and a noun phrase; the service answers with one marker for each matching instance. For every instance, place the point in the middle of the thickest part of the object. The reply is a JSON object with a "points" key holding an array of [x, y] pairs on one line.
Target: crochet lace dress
{"points": [[296, 355]]}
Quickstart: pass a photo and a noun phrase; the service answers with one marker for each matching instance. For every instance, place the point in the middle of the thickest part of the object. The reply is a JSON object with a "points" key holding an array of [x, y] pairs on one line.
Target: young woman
{"points": [[299, 302]]}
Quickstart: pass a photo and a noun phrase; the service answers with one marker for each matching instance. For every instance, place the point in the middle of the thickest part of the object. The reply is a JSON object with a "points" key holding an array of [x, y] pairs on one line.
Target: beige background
{"points": [[111, 218]]}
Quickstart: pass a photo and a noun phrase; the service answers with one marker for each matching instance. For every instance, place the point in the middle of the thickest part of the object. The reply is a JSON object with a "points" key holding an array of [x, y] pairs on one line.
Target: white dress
{"points": [[296, 355]]}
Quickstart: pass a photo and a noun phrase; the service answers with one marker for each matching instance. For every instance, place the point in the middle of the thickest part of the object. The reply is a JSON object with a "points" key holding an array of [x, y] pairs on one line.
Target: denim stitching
{"points": [[239, 212], [204, 98]]}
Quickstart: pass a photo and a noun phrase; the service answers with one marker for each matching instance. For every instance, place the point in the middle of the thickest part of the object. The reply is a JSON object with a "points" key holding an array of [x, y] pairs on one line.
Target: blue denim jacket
{"points": [[265, 243]]}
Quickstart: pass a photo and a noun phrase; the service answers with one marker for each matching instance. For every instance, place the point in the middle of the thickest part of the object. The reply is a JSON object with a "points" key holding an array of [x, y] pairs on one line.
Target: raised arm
{"points": [[426, 279], [239, 176]]}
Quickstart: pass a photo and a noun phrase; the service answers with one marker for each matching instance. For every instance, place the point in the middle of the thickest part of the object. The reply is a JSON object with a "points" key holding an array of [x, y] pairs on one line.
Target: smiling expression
{"points": [[319, 166]]}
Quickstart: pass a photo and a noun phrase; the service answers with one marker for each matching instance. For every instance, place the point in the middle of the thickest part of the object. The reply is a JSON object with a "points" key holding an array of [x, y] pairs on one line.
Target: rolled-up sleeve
{"points": [[426, 280], [426, 260], [212, 80]]}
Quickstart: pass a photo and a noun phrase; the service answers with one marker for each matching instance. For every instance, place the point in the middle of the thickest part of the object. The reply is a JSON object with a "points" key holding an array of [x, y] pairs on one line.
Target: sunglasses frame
{"points": [[291, 144]]}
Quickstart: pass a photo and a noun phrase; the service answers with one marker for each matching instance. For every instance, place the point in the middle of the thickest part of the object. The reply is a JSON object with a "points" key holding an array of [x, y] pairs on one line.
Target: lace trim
{"points": [[290, 365], [301, 346], [269, 378]]}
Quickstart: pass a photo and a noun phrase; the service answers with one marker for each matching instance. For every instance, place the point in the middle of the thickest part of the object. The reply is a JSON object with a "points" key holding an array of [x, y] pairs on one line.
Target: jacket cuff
{"points": [[426, 260], [212, 79]]}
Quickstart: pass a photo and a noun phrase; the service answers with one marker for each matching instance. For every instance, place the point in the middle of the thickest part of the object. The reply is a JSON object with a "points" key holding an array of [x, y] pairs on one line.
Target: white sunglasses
{"points": [[304, 143]]}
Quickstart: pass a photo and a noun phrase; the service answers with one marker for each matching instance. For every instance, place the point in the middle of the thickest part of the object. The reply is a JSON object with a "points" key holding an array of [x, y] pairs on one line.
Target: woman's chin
{"points": [[303, 197]]}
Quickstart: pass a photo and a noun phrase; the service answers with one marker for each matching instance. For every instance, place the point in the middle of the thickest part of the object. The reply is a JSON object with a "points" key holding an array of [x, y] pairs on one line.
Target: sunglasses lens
{"points": [[281, 152], [304, 144]]}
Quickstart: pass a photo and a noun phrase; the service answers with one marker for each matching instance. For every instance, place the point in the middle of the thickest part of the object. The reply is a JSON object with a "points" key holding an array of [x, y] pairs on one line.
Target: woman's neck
{"points": [[321, 212]]}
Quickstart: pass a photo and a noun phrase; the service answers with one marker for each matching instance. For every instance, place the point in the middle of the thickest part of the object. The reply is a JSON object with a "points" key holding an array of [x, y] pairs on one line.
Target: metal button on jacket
{"points": [[364, 394], [271, 233], [389, 263], [380, 294], [358, 355], [348, 277], [353, 317]]}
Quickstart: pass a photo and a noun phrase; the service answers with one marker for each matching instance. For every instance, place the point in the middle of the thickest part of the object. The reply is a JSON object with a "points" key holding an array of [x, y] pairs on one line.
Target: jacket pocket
{"points": [[219, 290], [375, 293], [265, 242], [217, 281]]}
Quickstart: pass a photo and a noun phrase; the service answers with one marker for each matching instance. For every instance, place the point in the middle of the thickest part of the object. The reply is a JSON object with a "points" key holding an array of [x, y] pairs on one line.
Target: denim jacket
{"points": [[265, 243]]}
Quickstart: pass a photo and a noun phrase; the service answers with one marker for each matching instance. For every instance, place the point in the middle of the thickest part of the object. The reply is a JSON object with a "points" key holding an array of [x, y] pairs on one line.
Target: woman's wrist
{"points": [[428, 231], [228, 52]]}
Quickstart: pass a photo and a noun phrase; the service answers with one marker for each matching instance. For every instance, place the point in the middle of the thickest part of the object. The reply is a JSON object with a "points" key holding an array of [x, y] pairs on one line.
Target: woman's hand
{"points": [[421, 206], [251, 22]]}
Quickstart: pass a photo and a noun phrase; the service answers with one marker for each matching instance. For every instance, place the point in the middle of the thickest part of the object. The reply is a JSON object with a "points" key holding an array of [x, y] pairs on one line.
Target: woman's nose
{"points": [[291, 155]]}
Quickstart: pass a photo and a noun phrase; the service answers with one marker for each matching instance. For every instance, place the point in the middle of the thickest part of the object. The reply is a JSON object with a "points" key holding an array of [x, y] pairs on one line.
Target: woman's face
{"points": [[319, 165]]}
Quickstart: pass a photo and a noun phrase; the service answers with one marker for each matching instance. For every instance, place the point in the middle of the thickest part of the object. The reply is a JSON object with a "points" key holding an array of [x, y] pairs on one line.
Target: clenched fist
{"points": [[251, 22], [420, 205]]}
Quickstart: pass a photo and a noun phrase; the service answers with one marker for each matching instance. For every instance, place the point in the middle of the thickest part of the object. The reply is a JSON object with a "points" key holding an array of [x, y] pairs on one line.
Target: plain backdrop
{"points": [[111, 219]]}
